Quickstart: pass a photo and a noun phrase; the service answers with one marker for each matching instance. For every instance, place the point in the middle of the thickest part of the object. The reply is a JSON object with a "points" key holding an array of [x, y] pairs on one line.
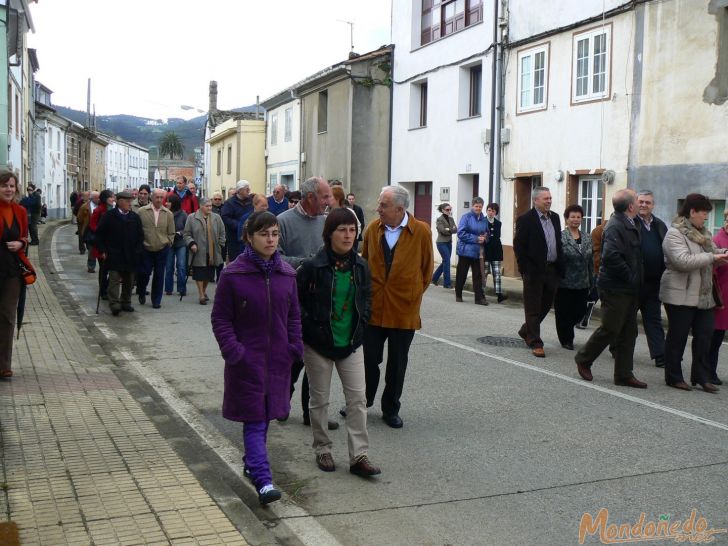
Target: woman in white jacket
{"points": [[686, 290]]}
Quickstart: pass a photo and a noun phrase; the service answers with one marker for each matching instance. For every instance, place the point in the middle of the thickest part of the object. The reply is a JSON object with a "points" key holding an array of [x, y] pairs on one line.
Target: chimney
{"points": [[213, 97]]}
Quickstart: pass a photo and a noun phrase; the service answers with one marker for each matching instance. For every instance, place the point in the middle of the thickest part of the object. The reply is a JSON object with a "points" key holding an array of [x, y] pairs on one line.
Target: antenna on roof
{"points": [[351, 32]]}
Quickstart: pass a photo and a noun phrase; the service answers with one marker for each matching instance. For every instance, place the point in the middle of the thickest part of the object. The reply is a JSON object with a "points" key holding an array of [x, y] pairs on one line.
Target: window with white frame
{"points": [[591, 64], [533, 78], [274, 129], [591, 199], [288, 124]]}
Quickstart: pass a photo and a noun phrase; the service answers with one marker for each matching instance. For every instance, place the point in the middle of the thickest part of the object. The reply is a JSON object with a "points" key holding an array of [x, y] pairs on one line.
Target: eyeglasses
{"points": [[294, 201], [447, 210]]}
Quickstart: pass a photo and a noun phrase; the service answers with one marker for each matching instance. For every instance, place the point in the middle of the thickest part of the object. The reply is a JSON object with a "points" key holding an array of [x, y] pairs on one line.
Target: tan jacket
{"points": [[396, 297], [83, 217], [688, 279], [159, 236]]}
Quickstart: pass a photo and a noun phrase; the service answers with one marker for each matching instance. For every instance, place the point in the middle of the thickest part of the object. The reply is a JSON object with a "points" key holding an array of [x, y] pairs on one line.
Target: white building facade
{"points": [[138, 170], [441, 103], [15, 123], [283, 140], [117, 164], [49, 163]]}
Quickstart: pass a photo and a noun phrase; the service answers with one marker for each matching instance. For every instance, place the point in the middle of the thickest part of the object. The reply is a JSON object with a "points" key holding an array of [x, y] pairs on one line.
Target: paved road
{"points": [[498, 447]]}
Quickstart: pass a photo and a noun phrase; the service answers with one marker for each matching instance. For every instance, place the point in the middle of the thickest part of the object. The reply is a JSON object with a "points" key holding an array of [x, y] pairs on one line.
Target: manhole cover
{"points": [[500, 341]]}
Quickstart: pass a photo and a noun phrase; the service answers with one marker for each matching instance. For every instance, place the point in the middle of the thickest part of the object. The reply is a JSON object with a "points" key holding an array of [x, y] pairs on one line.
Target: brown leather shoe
{"points": [[364, 468], [709, 387], [325, 462], [631, 382], [681, 385], [584, 372], [539, 352]]}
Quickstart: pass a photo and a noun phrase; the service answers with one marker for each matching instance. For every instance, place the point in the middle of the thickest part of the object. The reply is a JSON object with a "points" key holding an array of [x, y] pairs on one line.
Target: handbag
{"points": [[26, 269]]}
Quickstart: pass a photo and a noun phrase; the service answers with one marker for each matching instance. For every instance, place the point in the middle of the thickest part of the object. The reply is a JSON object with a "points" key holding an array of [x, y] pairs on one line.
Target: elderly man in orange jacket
{"points": [[398, 248]]}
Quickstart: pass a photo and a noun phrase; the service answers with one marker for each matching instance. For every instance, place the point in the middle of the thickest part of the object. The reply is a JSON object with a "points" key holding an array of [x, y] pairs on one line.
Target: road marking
{"points": [[582, 383], [54, 253]]}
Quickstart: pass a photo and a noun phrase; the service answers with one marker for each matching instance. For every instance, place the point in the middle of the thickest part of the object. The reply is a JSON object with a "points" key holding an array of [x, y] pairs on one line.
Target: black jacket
{"points": [[493, 246], [360, 216], [315, 279], [621, 266], [530, 247], [121, 238]]}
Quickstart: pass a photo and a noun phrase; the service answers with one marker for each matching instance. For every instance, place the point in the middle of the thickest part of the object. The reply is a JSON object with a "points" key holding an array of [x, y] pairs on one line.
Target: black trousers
{"points": [[461, 275], [651, 311], [570, 307], [538, 297], [295, 372], [715, 342], [681, 320], [398, 346], [618, 329]]}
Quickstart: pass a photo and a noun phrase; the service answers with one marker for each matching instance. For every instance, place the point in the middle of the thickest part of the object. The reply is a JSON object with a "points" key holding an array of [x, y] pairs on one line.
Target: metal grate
{"points": [[500, 341]]}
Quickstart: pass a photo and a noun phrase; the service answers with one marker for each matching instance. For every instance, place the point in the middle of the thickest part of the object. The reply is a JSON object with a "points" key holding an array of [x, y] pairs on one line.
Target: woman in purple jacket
{"points": [[257, 324]]}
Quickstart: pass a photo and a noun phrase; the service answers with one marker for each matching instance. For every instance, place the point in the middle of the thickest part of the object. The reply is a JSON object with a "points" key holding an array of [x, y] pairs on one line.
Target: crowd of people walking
{"points": [[296, 294]]}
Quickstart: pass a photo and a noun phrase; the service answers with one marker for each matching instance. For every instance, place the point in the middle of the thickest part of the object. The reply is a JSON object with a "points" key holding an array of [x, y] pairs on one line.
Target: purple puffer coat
{"points": [[257, 325]]}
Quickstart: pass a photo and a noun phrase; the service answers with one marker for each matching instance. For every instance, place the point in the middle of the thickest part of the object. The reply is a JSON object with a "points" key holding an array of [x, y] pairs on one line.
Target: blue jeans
{"points": [[445, 250], [180, 256], [152, 262]]}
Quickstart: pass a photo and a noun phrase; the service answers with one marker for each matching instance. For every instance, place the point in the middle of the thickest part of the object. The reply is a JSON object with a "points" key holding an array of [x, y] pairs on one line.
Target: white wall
{"points": [[55, 190], [15, 151], [138, 166], [564, 136], [283, 157], [448, 151]]}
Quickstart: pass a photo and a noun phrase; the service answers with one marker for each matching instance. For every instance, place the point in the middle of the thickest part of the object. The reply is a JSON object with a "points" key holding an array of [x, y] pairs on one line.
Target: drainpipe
{"points": [[499, 118], [493, 89], [391, 113], [4, 97]]}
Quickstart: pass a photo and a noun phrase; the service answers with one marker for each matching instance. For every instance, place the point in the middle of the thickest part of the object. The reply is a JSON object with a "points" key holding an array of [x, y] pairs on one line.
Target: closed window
{"points": [[532, 78], [219, 162], [418, 105], [591, 64], [323, 111], [591, 199], [274, 129], [288, 121], [476, 85], [440, 18], [229, 159]]}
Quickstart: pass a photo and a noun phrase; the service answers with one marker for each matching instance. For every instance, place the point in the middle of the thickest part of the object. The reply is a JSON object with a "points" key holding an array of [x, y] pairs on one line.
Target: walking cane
{"points": [[187, 274], [102, 274]]}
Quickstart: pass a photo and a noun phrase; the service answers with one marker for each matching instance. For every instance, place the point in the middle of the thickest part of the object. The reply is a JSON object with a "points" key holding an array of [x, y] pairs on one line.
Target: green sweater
{"points": [[342, 308]]}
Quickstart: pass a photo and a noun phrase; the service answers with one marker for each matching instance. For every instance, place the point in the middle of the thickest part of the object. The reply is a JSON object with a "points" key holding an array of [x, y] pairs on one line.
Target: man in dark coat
{"points": [[619, 283], [120, 238], [32, 203], [541, 262], [235, 208], [653, 231], [351, 199]]}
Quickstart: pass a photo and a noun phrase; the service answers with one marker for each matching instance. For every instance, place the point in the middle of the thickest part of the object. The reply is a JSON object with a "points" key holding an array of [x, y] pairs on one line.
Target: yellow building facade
{"points": [[237, 152]]}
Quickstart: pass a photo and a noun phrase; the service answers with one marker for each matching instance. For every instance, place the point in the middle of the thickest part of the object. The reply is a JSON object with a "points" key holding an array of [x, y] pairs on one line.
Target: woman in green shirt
{"points": [[334, 289]]}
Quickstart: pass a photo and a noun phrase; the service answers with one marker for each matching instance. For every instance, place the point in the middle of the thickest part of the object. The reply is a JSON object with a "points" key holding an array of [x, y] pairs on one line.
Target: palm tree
{"points": [[171, 146]]}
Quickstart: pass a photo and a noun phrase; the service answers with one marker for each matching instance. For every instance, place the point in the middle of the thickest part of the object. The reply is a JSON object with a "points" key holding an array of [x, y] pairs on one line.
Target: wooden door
{"points": [[423, 201]]}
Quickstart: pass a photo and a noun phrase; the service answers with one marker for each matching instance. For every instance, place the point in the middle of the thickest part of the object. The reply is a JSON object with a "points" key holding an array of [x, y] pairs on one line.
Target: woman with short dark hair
{"points": [[334, 288], [494, 251], [573, 292], [256, 321], [686, 290]]}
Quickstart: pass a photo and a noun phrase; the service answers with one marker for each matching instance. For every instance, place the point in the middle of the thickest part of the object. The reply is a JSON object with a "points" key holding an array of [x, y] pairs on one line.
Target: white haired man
{"points": [[238, 205]]}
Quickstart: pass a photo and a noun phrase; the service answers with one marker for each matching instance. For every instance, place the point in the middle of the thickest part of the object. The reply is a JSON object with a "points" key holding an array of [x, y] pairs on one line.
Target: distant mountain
{"points": [[146, 132]]}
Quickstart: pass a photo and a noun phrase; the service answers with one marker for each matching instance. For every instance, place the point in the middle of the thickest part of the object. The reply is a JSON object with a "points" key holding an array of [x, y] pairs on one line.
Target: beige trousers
{"points": [[351, 374]]}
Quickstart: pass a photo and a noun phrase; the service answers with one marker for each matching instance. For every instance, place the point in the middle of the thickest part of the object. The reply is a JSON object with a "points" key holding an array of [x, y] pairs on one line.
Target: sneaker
{"points": [[364, 468], [267, 494]]}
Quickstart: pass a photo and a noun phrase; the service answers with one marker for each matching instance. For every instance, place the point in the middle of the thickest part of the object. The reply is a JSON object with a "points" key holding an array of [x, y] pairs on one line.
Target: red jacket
{"points": [[94, 224], [189, 204]]}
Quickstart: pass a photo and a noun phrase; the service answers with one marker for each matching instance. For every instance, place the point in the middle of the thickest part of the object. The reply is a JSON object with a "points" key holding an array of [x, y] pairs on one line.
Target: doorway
{"points": [[423, 202]]}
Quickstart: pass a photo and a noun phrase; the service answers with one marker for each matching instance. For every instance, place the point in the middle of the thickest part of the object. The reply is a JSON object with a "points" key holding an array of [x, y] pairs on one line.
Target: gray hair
{"points": [[204, 201], [646, 192], [477, 201], [242, 184], [400, 195], [310, 185], [536, 192], [623, 199]]}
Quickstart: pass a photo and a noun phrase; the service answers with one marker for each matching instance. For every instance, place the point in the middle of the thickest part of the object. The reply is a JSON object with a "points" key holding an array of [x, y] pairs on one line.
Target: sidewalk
{"points": [[80, 462]]}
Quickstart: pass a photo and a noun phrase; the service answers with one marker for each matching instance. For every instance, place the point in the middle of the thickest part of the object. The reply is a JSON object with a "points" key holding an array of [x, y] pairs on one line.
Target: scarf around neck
{"points": [[266, 266]]}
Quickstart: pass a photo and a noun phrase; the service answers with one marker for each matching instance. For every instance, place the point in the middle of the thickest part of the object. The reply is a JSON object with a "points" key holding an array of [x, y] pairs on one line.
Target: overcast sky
{"points": [[148, 57]]}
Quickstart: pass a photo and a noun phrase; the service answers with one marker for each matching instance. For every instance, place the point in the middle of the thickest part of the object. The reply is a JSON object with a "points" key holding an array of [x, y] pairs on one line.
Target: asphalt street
{"points": [[498, 447]]}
